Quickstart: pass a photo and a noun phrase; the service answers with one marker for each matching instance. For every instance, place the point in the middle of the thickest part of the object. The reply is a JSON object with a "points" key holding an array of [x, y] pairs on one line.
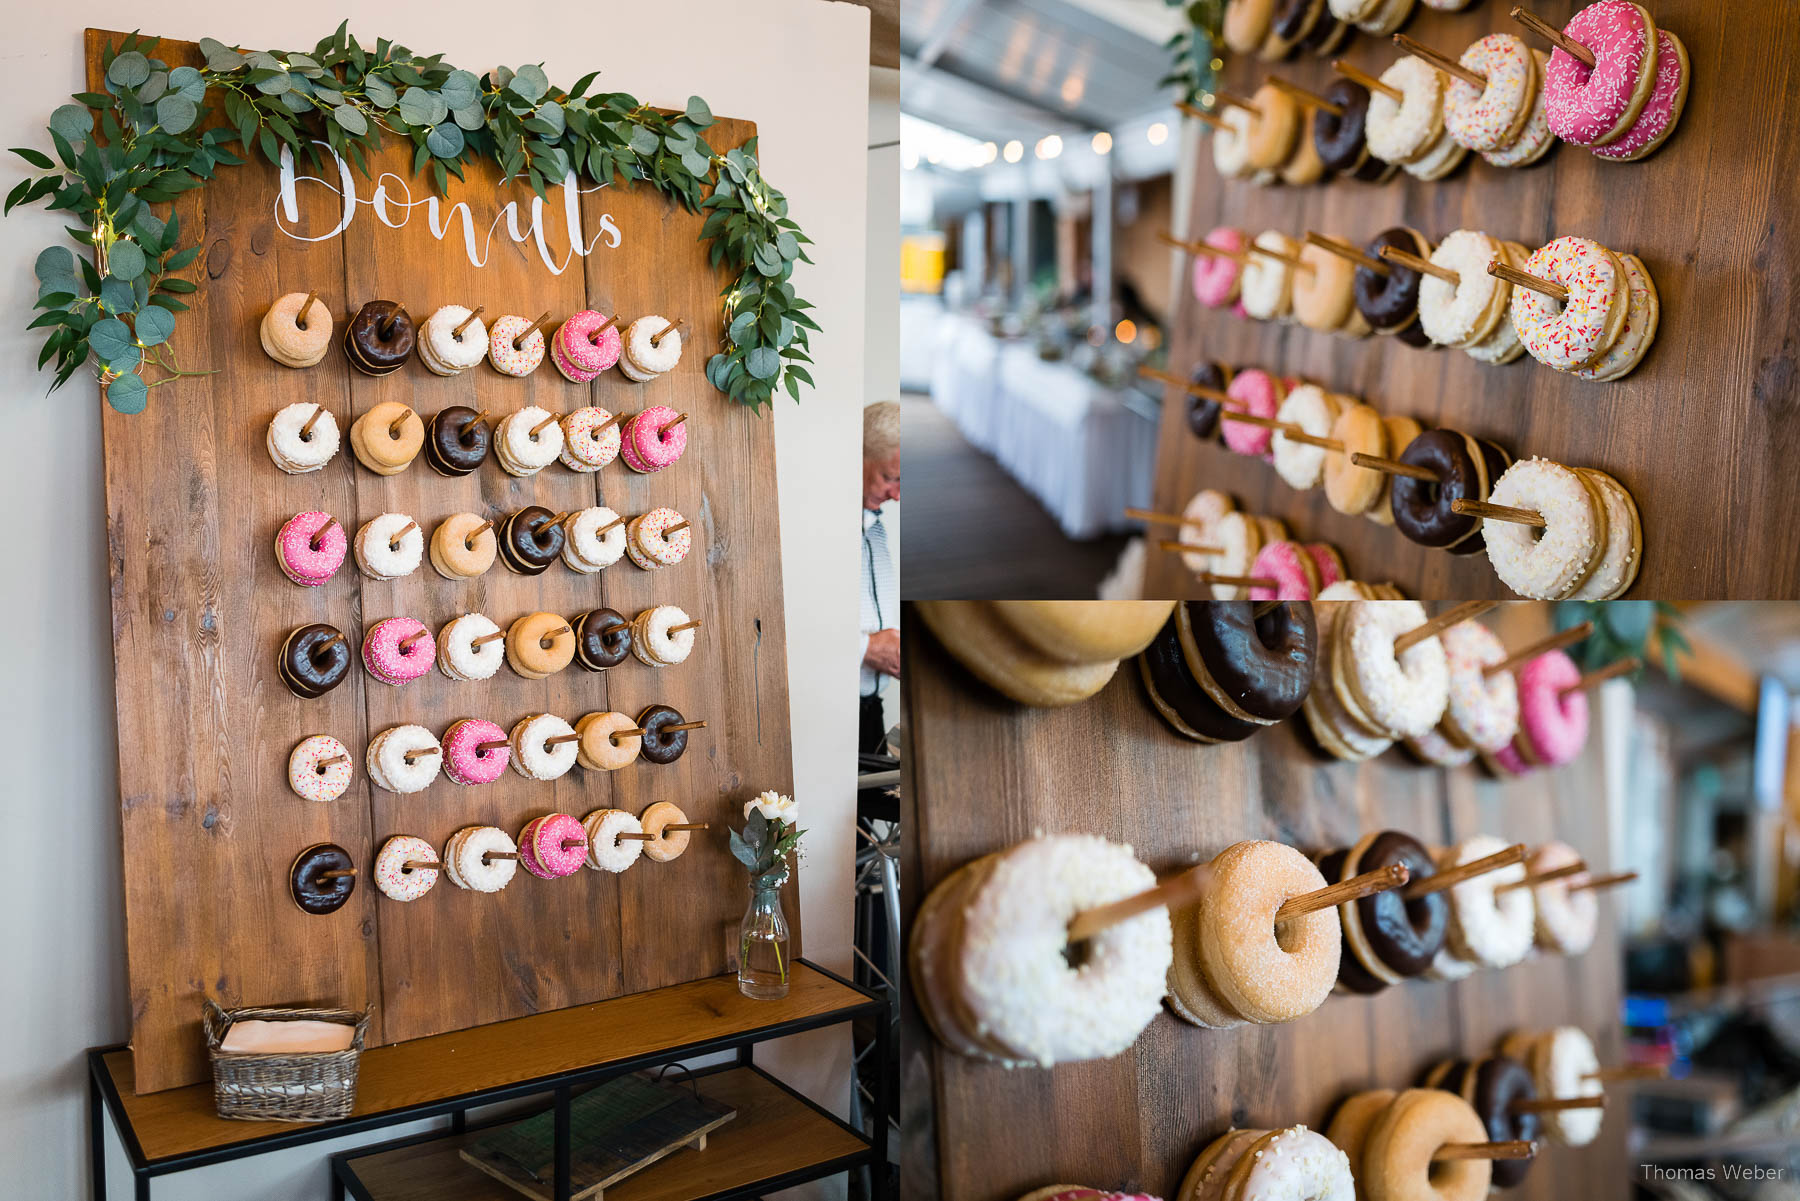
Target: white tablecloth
{"points": [[1069, 440]]}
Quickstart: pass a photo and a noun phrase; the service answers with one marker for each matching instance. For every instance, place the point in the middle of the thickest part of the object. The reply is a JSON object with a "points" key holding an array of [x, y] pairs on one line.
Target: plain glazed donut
{"points": [[1483, 710], [1349, 1128], [1401, 131], [1324, 298], [974, 633], [377, 445], [1085, 631], [1580, 331], [1246, 24], [1274, 125], [291, 343], [1255, 669], [1403, 696], [1215, 276], [1396, 1158], [1566, 921], [1256, 393], [604, 745], [1553, 719], [1266, 973], [1175, 693], [1592, 106], [1350, 489], [1551, 563], [458, 552], [538, 645], [1203, 411], [1488, 927], [606, 851], [1400, 431], [1495, 116]]}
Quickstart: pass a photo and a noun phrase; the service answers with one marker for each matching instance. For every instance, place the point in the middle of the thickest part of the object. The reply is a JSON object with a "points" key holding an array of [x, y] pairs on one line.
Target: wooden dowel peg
{"points": [[1175, 381], [474, 313], [687, 725], [614, 524], [322, 764], [1523, 279], [531, 329], [609, 422], [1295, 434], [545, 424], [1346, 251], [493, 744], [686, 625], [477, 419], [677, 528], [1558, 1104], [569, 844], [553, 519], [663, 430], [490, 856], [665, 331], [1454, 615], [403, 531], [562, 738], [1413, 262], [406, 643], [319, 534], [1394, 875], [1441, 61], [1188, 548], [1542, 646], [635, 836], [327, 644], [1152, 517], [1552, 34], [422, 753], [1292, 260], [618, 734], [1393, 467], [478, 531], [419, 865], [1482, 509], [602, 328], [1559, 873], [1266, 423], [1237, 102], [1177, 892], [300, 320], [1234, 581], [336, 873], [1593, 679], [1304, 96], [487, 638], [1631, 1071], [386, 326], [1202, 248], [549, 639], [688, 826], [306, 430], [1514, 1149], [1368, 81], [398, 423], [1611, 881], [1451, 877], [1264, 609]]}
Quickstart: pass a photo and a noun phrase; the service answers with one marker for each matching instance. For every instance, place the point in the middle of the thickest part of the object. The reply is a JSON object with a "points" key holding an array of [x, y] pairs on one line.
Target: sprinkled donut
{"points": [[399, 882], [585, 548], [310, 548], [1454, 314], [603, 746], [581, 353], [1489, 118], [1215, 277], [1483, 710], [404, 759], [1550, 563], [590, 439], [522, 452], [1591, 106], [1202, 513], [1663, 109], [1617, 569], [443, 350], [464, 760], [1403, 130], [651, 545], [1553, 722], [606, 851], [1563, 1064], [466, 859], [1488, 927], [665, 846], [312, 782], [1405, 695], [557, 844], [510, 356], [1258, 394], [1566, 921], [297, 453], [653, 641], [652, 346], [458, 656], [1571, 334], [1433, 748], [398, 650], [1396, 1156], [532, 754], [389, 546], [1262, 976], [1266, 286], [1535, 139], [653, 439], [1643, 312], [289, 342], [1293, 569]]}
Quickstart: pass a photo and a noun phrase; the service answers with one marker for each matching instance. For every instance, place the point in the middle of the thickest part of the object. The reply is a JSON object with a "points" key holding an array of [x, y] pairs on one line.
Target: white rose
{"points": [[774, 807]]}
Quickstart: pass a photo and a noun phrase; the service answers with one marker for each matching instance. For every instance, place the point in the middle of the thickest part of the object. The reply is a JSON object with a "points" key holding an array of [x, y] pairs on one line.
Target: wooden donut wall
{"points": [[1702, 433], [200, 607], [985, 773]]}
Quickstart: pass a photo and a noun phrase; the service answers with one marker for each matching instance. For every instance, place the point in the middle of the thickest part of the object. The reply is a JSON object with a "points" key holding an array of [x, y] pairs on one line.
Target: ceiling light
{"points": [[1125, 331], [989, 152], [1157, 133], [1103, 143], [1015, 150], [1049, 147]]}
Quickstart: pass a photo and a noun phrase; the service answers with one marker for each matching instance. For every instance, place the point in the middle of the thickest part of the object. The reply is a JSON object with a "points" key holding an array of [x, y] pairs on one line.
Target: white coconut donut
{"points": [[1566, 921], [388, 763], [1399, 131], [1266, 285], [1404, 696], [519, 451], [1613, 575], [1452, 314], [1021, 992], [312, 782], [532, 757], [1551, 563], [294, 454], [1433, 748], [585, 548], [607, 852], [465, 859], [1488, 927], [1202, 513], [446, 352], [652, 640], [1447, 966], [1562, 1062], [459, 657], [1230, 145], [1298, 1164], [1330, 722], [394, 879], [642, 359], [1483, 710], [1238, 537], [383, 552], [1315, 411]]}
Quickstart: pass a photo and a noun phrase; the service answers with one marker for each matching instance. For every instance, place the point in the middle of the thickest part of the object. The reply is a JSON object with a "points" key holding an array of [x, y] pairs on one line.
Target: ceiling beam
{"points": [[937, 38], [1057, 118]]}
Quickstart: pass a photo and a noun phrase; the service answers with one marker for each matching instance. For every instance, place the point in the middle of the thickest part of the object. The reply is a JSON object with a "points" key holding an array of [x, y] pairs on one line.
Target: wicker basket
{"points": [[308, 1087]]}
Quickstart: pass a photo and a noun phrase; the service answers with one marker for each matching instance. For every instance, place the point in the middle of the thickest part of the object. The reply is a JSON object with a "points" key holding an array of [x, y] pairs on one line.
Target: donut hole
{"points": [[1078, 954], [1288, 937]]}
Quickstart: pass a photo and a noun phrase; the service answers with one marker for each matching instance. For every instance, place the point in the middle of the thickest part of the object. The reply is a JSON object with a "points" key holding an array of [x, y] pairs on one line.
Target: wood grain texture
{"points": [[201, 607], [985, 773], [1702, 433]]}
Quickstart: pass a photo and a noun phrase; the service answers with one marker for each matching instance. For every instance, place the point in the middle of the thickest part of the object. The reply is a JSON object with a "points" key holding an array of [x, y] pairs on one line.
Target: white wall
{"points": [[63, 987], [881, 353]]}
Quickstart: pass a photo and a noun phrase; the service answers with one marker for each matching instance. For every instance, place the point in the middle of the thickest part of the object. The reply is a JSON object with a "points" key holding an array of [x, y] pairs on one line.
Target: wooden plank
{"points": [[1701, 433], [985, 773]]}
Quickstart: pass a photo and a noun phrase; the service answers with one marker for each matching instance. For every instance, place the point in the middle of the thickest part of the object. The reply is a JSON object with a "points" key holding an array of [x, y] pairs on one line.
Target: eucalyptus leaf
{"points": [[153, 88], [741, 325], [54, 263], [698, 112], [175, 113], [117, 295], [220, 57], [469, 116], [350, 119], [129, 69], [128, 394], [125, 260], [188, 82], [73, 122], [643, 140], [530, 83], [415, 106], [275, 84], [695, 162], [379, 91], [445, 141], [154, 326], [460, 88], [762, 362], [767, 259], [110, 339]]}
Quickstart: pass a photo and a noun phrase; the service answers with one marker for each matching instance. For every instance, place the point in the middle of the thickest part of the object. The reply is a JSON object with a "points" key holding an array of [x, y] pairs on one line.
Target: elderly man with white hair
{"points": [[880, 579]]}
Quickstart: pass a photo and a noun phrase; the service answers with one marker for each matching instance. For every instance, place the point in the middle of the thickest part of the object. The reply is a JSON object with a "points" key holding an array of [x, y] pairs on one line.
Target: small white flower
{"points": [[774, 807]]}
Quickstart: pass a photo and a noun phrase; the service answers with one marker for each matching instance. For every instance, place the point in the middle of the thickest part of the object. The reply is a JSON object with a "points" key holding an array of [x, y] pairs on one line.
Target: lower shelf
{"points": [[776, 1136]]}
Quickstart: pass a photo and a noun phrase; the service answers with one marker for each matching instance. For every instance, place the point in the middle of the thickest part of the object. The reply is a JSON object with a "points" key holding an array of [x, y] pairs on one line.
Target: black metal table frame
{"points": [[104, 1098]]}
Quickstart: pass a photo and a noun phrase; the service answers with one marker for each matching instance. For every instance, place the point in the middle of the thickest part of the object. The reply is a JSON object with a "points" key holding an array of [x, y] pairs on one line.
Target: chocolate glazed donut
{"points": [[311, 663], [1422, 507], [1407, 935], [313, 894], [1296, 19], [1390, 301], [1203, 414], [1497, 461], [661, 744], [1175, 694], [530, 541], [1324, 37], [455, 443], [1498, 1083], [1352, 975], [1258, 669], [379, 339], [1340, 141], [602, 639]]}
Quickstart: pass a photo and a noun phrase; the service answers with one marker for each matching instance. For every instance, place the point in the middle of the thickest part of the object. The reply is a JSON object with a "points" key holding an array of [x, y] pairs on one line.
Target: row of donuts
{"points": [[485, 858], [313, 659], [407, 758], [1274, 29], [311, 546], [304, 437], [296, 332], [1238, 554], [1261, 934]]}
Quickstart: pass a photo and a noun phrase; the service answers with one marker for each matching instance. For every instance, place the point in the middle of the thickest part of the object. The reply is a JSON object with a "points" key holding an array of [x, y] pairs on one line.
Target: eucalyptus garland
{"points": [[1191, 50], [146, 139]]}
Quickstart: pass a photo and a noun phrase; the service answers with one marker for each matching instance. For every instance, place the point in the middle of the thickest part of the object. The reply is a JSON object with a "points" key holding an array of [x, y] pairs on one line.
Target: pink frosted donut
{"points": [[1663, 108], [1329, 563], [590, 439], [1552, 723], [303, 562], [1508, 761], [464, 762], [650, 442], [1591, 106], [1292, 569], [1215, 276], [528, 850], [578, 354], [1257, 394], [391, 663], [559, 844]]}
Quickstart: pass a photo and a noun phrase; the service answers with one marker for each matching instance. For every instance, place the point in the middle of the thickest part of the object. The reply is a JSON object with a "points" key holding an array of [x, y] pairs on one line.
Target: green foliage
{"points": [[764, 847], [1191, 50], [1650, 630], [139, 144]]}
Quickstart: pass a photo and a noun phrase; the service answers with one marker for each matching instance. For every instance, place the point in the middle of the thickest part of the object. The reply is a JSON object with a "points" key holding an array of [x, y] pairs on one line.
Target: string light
{"points": [[1049, 147], [1102, 143], [1157, 133], [1015, 150]]}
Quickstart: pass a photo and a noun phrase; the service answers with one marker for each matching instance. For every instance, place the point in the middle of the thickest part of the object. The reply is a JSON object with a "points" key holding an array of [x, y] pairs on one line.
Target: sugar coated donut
{"points": [[1439, 160], [1258, 394], [1261, 972], [1563, 1064], [507, 353], [652, 346], [1403, 696], [399, 882], [1291, 566], [533, 754], [1643, 312], [520, 450], [1566, 921], [310, 547], [460, 658], [585, 548], [443, 350], [665, 846], [1453, 314], [653, 439], [1550, 563], [1396, 1157], [1488, 926], [606, 851], [558, 844], [1401, 130], [582, 349], [297, 453], [1591, 106], [404, 759], [590, 439], [1483, 709], [1265, 287], [466, 858], [1565, 335], [1215, 276], [458, 552], [1492, 117], [387, 438], [1553, 721], [312, 782], [651, 544], [603, 745], [398, 650], [465, 760], [1617, 569], [291, 341], [1201, 513], [653, 641], [1662, 110], [389, 546], [1503, 345], [1351, 489]]}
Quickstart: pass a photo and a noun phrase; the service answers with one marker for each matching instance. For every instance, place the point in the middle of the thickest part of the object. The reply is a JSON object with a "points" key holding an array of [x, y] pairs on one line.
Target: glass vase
{"points": [[763, 946]]}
